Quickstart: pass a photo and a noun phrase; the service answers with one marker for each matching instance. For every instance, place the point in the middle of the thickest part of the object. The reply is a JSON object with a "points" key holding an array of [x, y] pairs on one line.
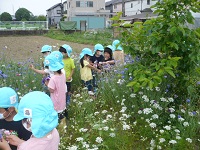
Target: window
{"points": [[115, 6], [131, 5], [69, 4], [78, 4], [58, 11], [89, 3], [148, 2]]}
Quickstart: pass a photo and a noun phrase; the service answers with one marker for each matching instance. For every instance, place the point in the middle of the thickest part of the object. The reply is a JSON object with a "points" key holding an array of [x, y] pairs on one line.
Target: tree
{"points": [[5, 17], [22, 14], [41, 18], [166, 50]]}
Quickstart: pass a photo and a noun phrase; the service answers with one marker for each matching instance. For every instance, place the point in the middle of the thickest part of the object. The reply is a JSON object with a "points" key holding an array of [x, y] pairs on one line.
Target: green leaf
{"points": [[173, 29], [171, 73], [131, 83]]}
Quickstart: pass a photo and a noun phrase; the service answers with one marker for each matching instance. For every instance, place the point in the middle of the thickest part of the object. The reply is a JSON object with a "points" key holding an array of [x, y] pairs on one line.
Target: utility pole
{"points": [[123, 8], [61, 7]]}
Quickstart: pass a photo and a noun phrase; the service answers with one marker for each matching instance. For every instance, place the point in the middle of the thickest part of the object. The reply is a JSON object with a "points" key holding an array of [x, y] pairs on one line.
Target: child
{"points": [[95, 59], [108, 58], [118, 53], [38, 114], [86, 69], [46, 50], [8, 106], [57, 86], [69, 67]]}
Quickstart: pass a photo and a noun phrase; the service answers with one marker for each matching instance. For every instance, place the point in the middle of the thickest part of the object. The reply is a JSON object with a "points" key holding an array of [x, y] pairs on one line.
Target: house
{"points": [[54, 14], [133, 7], [89, 14]]}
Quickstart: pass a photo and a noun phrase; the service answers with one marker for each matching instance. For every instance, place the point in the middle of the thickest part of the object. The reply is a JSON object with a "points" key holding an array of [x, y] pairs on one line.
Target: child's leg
{"points": [[68, 95], [89, 85]]}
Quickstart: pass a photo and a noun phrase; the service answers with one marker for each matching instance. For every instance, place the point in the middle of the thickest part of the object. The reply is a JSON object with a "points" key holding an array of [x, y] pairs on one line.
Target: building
{"points": [[54, 14], [89, 14], [133, 7]]}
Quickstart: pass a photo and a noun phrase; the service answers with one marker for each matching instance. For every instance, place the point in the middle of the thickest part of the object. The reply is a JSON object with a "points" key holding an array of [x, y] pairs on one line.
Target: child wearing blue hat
{"points": [[57, 85], [46, 50], [69, 67], [118, 52], [86, 69], [37, 112], [8, 107], [95, 59]]}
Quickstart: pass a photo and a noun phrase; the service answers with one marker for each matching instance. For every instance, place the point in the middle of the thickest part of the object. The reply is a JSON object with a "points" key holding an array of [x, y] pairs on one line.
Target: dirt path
{"points": [[24, 47]]}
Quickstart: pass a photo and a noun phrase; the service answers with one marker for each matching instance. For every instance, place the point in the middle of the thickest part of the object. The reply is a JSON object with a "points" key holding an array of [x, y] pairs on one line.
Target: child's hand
{"points": [[4, 145], [31, 66], [99, 71], [14, 140]]}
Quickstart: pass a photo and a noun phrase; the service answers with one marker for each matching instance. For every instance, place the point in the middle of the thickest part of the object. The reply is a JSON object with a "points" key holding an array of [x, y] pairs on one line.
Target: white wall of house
{"points": [[54, 15], [135, 6], [84, 7], [117, 7]]}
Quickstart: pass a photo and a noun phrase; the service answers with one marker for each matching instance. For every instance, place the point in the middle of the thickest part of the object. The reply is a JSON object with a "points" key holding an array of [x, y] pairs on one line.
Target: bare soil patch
{"points": [[21, 48]]}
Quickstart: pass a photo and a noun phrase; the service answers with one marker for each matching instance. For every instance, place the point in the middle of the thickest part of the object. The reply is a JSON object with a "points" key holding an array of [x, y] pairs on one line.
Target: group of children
{"points": [[31, 124]]}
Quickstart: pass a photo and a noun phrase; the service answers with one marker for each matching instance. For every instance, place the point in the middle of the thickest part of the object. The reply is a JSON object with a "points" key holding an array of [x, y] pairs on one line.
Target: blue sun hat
{"points": [[59, 56], [38, 106], [98, 47], [52, 62], [8, 98], [116, 45], [68, 49], [110, 47], [86, 51], [46, 48]]}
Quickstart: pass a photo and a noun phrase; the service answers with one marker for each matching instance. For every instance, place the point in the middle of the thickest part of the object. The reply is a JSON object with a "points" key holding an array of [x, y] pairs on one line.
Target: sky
{"points": [[37, 7]]}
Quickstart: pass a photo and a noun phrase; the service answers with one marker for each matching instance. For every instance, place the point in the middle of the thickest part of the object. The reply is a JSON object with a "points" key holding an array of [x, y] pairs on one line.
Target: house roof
{"points": [[54, 6], [143, 15], [111, 2]]}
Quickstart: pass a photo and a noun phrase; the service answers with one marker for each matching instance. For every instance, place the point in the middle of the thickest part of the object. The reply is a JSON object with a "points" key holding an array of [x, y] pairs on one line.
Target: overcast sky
{"points": [[37, 7]]}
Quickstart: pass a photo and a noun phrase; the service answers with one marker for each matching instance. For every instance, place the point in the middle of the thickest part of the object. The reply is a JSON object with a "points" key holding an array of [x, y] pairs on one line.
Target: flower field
{"points": [[118, 118]]}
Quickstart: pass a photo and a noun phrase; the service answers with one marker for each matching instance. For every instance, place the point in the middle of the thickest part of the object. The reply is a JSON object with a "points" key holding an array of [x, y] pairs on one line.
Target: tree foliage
{"points": [[22, 14], [5, 17], [41, 18], [166, 50]]}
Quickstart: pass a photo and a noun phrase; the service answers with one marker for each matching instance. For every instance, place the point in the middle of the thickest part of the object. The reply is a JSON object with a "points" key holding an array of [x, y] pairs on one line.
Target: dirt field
{"points": [[25, 47]]}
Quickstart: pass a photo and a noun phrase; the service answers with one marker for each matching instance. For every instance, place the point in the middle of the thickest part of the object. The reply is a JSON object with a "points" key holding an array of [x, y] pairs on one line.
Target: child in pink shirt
{"points": [[37, 113], [57, 86]]}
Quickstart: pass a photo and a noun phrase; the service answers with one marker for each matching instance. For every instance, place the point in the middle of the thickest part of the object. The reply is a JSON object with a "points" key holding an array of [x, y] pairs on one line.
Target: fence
{"points": [[23, 25]]}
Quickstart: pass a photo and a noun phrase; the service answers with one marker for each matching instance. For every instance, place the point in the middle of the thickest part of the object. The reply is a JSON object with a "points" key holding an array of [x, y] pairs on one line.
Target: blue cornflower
{"points": [[188, 100]]}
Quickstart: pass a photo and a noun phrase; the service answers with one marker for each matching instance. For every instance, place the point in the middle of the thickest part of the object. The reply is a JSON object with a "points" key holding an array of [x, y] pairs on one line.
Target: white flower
{"points": [[161, 140], [185, 124], [77, 95], [83, 130], [152, 143], [157, 88], [170, 99], [152, 125], [172, 142], [147, 111], [162, 131], [139, 112], [167, 127], [190, 114], [147, 120], [108, 117], [123, 109], [112, 134], [155, 116], [144, 96], [181, 119], [104, 111], [140, 93], [126, 127], [99, 140], [182, 110], [79, 139], [85, 145], [105, 128], [96, 113], [104, 121], [177, 131], [72, 147], [189, 140], [146, 100], [163, 99], [132, 95], [178, 137], [171, 110], [172, 116]]}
